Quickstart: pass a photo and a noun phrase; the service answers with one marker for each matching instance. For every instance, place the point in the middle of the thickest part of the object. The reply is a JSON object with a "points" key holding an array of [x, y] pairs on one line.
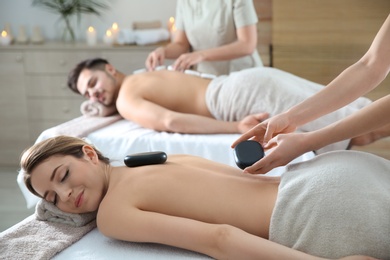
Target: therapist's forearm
{"points": [[351, 84], [364, 121], [355, 81], [175, 49]]}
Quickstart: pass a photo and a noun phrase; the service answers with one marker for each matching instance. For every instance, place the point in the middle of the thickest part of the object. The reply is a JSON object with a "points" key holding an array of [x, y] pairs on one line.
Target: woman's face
{"points": [[73, 185]]}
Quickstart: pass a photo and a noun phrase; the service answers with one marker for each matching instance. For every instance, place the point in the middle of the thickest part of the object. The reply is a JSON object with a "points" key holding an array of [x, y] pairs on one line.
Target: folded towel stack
{"points": [[125, 36], [150, 36], [142, 37]]}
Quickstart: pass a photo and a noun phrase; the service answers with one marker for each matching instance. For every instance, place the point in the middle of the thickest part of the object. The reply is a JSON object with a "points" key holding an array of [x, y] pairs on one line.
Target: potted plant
{"points": [[68, 8]]}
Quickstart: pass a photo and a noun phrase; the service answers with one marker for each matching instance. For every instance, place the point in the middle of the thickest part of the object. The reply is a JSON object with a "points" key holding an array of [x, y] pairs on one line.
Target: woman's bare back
{"points": [[195, 188]]}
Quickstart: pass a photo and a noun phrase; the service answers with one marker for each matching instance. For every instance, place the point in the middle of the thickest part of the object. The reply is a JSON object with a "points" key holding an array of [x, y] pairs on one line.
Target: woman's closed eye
{"points": [[66, 175]]}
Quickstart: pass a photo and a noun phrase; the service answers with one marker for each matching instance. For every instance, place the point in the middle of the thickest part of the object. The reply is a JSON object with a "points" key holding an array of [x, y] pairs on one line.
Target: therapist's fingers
{"points": [[256, 133], [180, 64], [155, 58], [263, 166]]}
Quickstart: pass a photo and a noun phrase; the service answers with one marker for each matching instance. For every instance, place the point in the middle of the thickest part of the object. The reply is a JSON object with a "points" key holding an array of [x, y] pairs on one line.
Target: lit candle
{"points": [[5, 38], [91, 36], [114, 31], [171, 23], [108, 38]]}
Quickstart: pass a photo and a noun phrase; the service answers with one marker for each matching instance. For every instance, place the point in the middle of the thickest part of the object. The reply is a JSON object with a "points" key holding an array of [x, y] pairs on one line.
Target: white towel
{"points": [[94, 108], [46, 211], [35, 239], [335, 205], [83, 125], [125, 36], [149, 36]]}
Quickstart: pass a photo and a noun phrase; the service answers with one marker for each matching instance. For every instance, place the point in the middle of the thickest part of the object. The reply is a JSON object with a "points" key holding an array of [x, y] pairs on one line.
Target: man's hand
{"points": [[250, 121], [155, 58]]}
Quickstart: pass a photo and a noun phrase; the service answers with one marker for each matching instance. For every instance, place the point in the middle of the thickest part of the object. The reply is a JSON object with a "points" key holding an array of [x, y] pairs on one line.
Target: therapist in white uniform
{"points": [[215, 37]]}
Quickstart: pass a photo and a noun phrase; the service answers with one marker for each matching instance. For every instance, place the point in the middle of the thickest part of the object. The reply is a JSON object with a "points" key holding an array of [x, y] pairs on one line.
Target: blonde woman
{"points": [[196, 204]]}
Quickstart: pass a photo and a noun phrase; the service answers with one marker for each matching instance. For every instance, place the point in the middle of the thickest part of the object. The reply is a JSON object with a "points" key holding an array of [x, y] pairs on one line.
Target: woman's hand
{"points": [[186, 60], [155, 58], [286, 147], [264, 131]]}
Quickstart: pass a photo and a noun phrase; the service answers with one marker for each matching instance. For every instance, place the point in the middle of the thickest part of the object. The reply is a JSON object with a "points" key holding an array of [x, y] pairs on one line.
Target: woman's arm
{"points": [[355, 81], [172, 50], [245, 45], [290, 146], [217, 241]]}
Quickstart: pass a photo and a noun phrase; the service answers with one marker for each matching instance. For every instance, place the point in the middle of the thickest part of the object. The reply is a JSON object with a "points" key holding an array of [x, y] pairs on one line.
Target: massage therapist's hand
{"points": [[285, 148], [250, 121], [264, 131], [186, 60], [155, 58]]}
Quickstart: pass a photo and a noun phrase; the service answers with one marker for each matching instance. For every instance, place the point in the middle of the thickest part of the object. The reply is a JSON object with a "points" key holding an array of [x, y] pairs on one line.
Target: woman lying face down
{"points": [[187, 202]]}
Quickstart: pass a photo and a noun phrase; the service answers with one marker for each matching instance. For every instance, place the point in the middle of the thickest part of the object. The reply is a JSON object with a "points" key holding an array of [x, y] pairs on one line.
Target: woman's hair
{"points": [[93, 64], [60, 145]]}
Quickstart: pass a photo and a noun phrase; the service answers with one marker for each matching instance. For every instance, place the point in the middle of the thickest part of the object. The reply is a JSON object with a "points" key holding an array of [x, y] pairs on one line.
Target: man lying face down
{"points": [[173, 101]]}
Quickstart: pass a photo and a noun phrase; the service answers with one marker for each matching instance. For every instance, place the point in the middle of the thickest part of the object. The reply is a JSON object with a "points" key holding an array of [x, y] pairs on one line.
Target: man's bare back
{"points": [[194, 188], [172, 90]]}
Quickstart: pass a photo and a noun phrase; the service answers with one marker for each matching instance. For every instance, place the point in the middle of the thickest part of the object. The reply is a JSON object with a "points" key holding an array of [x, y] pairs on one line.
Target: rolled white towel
{"points": [[47, 211], [94, 108], [149, 36]]}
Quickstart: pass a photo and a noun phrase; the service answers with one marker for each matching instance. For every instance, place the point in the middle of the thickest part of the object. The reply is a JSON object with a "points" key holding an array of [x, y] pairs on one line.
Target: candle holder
{"points": [[108, 38], [91, 36], [5, 39], [22, 36], [36, 36]]}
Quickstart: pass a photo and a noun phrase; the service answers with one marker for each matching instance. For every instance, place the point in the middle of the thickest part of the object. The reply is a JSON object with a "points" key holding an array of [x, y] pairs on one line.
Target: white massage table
{"points": [[124, 137]]}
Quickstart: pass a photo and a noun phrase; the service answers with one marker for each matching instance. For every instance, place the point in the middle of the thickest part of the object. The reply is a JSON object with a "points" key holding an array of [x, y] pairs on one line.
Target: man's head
{"points": [[95, 79]]}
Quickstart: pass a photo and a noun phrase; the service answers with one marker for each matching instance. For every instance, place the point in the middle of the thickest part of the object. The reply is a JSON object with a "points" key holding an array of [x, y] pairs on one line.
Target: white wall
{"points": [[21, 13]]}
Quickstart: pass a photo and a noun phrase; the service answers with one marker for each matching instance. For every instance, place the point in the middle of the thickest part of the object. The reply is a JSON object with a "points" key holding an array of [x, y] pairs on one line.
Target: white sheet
{"points": [[98, 247]]}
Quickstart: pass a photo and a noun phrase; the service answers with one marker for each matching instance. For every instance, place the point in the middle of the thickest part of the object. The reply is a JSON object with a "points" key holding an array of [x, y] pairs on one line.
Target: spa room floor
{"points": [[13, 206]]}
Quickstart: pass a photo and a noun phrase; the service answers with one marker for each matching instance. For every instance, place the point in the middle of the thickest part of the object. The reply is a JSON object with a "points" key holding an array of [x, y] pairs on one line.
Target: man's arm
{"points": [[151, 115]]}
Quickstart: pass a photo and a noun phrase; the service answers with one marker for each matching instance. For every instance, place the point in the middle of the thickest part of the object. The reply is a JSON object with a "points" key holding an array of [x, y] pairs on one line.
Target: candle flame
{"points": [[4, 33], [91, 29], [115, 26], [108, 33], [172, 19]]}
